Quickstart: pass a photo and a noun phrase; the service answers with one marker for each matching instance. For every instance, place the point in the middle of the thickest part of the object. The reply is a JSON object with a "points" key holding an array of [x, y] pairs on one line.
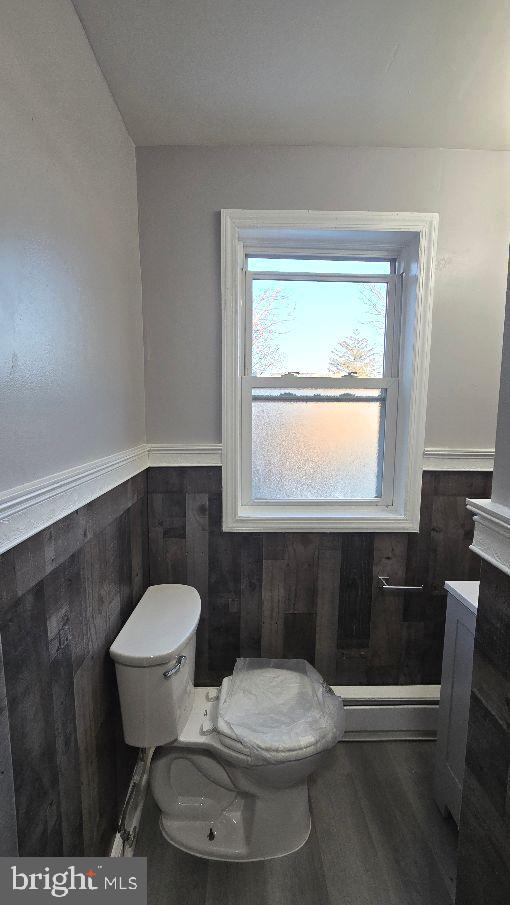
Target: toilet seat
{"points": [[271, 732]]}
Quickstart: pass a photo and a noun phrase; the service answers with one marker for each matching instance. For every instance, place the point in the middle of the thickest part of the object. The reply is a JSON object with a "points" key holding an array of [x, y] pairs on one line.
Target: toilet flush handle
{"points": [[168, 673]]}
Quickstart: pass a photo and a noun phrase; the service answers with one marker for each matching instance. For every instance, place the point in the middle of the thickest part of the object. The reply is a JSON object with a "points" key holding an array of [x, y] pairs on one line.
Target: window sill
{"points": [[374, 520]]}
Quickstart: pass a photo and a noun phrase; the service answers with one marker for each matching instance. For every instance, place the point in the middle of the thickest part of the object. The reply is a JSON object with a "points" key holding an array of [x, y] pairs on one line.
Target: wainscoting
{"points": [[484, 837], [66, 591], [64, 594], [314, 595]]}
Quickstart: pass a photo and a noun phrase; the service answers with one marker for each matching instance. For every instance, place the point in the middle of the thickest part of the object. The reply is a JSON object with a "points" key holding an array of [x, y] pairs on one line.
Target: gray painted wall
{"points": [[501, 488], [181, 191], [71, 351]]}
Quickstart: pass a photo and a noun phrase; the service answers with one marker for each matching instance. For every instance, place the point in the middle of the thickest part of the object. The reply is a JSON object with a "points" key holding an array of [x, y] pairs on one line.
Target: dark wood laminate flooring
{"points": [[377, 839]]}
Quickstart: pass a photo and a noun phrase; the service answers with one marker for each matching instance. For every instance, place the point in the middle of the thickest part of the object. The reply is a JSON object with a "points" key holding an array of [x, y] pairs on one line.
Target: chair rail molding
{"points": [[170, 454], [491, 539], [28, 508], [435, 459]]}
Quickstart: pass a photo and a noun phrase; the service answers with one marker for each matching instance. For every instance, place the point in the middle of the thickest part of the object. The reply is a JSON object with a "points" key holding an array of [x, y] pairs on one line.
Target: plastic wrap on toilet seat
{"points": [[279, 709]]}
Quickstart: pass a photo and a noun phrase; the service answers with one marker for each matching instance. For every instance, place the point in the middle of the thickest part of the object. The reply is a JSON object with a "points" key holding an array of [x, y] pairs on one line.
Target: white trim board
{"points": [[491, 539], [434, 459], [169, 455], [458, 459], [29, 508]]}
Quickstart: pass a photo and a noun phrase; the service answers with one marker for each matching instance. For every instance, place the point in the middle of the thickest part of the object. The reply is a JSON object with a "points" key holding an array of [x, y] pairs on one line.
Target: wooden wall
{"points": [[483, 875], [314, 595], [64, 594]]}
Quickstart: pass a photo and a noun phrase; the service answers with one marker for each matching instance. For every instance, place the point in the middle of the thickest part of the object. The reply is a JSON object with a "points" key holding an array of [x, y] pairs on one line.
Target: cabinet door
{"points": [[454, 706]]}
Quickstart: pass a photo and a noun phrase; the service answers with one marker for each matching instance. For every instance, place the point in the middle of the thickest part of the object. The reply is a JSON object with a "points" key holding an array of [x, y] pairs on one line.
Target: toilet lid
{"points": [[275, 714]]}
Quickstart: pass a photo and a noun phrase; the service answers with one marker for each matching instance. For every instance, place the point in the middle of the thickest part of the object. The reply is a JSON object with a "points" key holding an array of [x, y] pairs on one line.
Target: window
{"points": [[326, 333]]}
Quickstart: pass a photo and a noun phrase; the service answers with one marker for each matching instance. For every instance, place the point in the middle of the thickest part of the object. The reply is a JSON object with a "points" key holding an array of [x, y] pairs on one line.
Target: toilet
{"points": [[230, 773]]}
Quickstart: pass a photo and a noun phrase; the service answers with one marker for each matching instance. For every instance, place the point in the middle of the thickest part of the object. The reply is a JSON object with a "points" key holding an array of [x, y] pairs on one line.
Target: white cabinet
{"points": [[455, 694]]}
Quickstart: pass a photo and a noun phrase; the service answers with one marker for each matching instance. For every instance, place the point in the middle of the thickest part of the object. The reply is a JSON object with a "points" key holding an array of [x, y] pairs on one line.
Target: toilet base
{"points": [[249, 828]]}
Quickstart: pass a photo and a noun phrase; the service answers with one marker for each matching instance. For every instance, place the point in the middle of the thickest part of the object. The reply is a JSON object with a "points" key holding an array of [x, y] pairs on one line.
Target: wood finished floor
{"points": [[377, 839]]}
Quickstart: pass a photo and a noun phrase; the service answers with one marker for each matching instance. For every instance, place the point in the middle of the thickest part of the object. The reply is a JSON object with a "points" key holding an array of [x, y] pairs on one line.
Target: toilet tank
{"points": [[154, 656]]}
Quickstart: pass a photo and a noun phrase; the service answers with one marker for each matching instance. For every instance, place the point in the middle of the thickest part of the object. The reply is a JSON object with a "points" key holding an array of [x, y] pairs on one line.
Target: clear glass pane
{"points": [[317, 444], [323, 329], [320, 265]]}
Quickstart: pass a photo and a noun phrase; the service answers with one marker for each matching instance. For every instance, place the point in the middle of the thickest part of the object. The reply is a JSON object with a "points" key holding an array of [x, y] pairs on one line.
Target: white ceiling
{"points": [[408, 73]]}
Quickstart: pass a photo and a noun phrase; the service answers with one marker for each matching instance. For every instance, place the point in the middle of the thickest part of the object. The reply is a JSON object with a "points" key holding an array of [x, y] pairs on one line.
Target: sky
{"points": [[322, 313]]}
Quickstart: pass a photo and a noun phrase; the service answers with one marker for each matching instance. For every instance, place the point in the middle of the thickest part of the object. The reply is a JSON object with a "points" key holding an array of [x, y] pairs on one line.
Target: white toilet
{"points": [[230, 773]]}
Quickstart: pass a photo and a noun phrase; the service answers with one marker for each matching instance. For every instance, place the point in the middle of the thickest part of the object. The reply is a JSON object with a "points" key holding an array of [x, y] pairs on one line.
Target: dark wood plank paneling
{"points": [[299, 636], [418, 544], [328, 593], [385, 648], [273, 596], [355, 590], [224, 593], [351, 666], [451, 532], [197, 571], [8, 828], [483, 872], [31, 717], [354, 633], [58, 623], [251, 596], [64, 595], [410, 671], [301, 561], [87, 693], [139, 542], [484, 833]]}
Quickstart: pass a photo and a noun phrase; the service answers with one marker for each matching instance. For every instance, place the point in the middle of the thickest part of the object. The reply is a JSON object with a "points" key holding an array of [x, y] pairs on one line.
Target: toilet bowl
{"points": [[230, 774]]}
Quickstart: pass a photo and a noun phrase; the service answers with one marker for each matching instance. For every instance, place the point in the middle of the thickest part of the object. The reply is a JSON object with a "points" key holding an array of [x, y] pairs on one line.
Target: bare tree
{"points": [[374, 299], [271, 312], [353, 354]]}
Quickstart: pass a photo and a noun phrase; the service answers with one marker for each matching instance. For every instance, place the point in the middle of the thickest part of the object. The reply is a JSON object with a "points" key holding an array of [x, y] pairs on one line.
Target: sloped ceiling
{"points": [[392, 73]]}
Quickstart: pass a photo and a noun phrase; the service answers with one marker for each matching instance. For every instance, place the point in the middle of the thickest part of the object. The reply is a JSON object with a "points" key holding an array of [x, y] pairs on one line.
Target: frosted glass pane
{"points": [[313, 328], [319, 265], [317, 444]]}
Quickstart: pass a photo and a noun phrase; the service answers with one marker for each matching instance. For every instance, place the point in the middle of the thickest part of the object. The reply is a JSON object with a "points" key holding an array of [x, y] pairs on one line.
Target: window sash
{"points": [[390, 385], [389, 382], [309, 276], [393, 302]]}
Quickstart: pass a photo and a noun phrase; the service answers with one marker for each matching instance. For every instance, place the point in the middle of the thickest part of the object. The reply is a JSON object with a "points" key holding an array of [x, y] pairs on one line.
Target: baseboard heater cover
{"points": [[384, 712]]}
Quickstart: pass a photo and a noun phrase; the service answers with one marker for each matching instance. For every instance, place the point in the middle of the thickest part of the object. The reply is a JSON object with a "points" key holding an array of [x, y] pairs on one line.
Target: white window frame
{"points": [[410, 239]]}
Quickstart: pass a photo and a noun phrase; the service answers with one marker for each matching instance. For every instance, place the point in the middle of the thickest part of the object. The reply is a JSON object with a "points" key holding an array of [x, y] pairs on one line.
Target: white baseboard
{"points": [[29, 508]]}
